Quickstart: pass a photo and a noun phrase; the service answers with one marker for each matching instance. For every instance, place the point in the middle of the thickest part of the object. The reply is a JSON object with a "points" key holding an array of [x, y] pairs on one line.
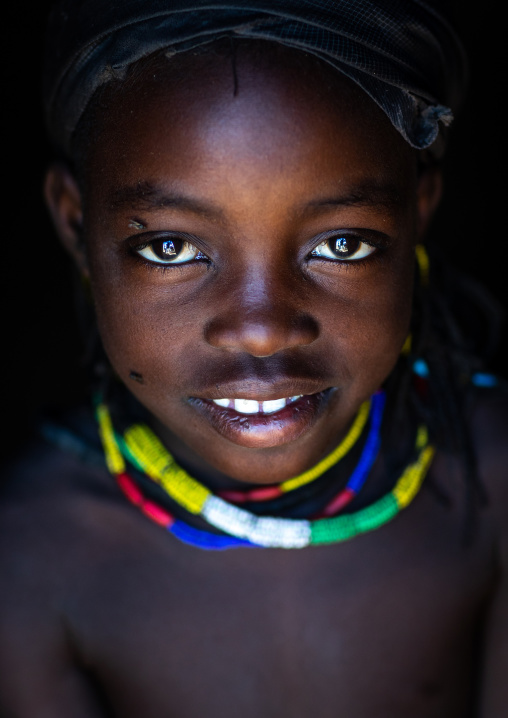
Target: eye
{"points": [[169, 250], [343, 247]]}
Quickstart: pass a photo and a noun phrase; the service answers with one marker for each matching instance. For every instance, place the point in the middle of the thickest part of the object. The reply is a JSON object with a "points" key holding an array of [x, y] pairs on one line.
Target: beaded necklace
{"points": [[270, 492], [137, 440], [237, 523]]}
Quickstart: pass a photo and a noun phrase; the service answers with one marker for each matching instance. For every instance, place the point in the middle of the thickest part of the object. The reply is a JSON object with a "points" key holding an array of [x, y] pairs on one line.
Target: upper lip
{"points": [[263, 391]]}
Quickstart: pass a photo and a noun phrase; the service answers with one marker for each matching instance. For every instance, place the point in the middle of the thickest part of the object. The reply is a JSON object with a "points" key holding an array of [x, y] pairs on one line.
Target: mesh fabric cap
{"points": [[403, 53]]}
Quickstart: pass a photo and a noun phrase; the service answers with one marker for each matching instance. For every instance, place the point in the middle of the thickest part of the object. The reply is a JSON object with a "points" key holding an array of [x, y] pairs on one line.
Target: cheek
{"points": [[147, 331], [145, 338], [370, 321]]}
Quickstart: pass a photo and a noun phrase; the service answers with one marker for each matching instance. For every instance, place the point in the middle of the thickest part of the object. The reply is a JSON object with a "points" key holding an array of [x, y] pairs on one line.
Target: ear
{"points": [[429, 191], [64, 201]]}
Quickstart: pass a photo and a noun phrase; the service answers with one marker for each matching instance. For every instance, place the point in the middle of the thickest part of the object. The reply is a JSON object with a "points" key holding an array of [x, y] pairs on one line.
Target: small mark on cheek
{"points": [[136, 376]]}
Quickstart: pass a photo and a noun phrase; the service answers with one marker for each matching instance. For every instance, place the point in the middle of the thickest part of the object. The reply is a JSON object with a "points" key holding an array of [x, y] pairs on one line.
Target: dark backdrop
{"points": [[40, 344]]}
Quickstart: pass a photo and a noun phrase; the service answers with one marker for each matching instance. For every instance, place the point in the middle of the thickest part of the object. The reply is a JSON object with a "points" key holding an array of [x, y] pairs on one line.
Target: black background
{"points": [[40, 345]]}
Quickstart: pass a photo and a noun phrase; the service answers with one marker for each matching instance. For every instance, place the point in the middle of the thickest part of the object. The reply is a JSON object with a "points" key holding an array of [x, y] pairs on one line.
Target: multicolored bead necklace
{"points": [[241, 527], [137, 437], [270, 492]]}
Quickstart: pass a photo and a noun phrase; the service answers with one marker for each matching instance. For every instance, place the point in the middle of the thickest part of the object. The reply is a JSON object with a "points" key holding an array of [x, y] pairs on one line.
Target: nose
{"points": [[261, 323]]}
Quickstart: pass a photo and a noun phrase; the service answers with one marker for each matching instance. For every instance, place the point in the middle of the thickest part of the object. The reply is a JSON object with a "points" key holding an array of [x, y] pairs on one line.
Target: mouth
{"points": [[260, 423], [248, 407]]}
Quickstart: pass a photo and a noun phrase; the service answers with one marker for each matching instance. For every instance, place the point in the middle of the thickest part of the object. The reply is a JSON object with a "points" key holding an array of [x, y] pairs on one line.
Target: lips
{"points": [[263, 423]]}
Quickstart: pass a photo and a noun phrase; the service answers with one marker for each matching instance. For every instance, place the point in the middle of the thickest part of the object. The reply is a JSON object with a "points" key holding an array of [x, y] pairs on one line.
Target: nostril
{"points": [[261, 338]]}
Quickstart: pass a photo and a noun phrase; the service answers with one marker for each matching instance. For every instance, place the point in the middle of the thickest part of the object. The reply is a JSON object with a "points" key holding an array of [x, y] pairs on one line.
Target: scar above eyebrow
{"points": [[148, 196]]}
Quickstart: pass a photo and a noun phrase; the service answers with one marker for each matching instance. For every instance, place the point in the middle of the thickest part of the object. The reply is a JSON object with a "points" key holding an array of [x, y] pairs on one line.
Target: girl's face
{"points": [[251, 255]]}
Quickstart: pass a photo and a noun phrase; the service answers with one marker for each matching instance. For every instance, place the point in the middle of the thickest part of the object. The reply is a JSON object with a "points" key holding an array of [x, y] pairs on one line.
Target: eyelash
{"points": [[366, 246], [377, 248], [183, 239]]}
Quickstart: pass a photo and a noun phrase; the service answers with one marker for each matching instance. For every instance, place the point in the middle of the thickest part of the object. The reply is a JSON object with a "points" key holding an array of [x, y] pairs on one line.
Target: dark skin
{"points": [[105, 611]]}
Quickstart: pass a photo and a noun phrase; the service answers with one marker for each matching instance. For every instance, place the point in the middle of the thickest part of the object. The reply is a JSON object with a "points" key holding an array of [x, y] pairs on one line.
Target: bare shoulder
{"points": [[47, 495], [489, 434], [489, 428], [53, 510], [52, 505]]}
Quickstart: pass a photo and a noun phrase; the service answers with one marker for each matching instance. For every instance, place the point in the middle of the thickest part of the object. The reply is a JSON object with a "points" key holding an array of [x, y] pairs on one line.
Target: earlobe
{"points": [[63, 198], [430, 189]]}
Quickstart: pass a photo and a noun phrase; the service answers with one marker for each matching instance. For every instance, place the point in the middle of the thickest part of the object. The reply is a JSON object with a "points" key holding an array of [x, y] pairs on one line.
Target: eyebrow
{"points": [[146, 196], [366, 193]]}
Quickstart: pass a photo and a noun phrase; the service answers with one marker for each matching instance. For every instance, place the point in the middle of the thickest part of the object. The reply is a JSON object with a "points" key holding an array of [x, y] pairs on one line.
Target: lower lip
{"points": [[259, 431]]}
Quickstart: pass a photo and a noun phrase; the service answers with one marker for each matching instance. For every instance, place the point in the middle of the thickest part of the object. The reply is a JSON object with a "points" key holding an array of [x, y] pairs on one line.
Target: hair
{"points": [[455, 329], [455, 323]]}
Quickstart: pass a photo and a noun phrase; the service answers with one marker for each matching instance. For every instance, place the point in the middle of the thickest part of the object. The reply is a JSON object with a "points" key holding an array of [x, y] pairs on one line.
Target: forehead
{"points": [[262, 107]]}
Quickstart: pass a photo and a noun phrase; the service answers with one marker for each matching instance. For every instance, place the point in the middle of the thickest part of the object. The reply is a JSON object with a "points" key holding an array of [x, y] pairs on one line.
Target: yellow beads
{"points": [[422, 437], [423, 264], [114, 458], [345, 445], [151, 454], [409, 483], [406, 347]]}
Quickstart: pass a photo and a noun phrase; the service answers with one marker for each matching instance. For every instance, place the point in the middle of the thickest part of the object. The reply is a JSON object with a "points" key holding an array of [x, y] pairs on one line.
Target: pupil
{"points": [[345, 246], [168, 247]]}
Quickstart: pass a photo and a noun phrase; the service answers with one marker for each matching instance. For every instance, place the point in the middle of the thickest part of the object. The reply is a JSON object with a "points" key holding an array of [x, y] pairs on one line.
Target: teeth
{"points": [[251, 406], [274, 405], [247, 406], [221, 402]]}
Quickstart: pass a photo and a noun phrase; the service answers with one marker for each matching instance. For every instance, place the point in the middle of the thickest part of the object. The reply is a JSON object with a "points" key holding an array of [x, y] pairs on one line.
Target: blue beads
{"points": [[421, 368], [484, 380], [480, 379], [372, 444], [203, 539]]}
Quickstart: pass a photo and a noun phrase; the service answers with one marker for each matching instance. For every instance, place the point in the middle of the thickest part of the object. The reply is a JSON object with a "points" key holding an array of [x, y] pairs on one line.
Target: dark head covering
{"points": [[403, 53]]}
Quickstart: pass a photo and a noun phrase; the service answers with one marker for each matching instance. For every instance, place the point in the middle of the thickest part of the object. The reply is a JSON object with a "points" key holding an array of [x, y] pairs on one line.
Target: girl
{"points": [[283, 498]]}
